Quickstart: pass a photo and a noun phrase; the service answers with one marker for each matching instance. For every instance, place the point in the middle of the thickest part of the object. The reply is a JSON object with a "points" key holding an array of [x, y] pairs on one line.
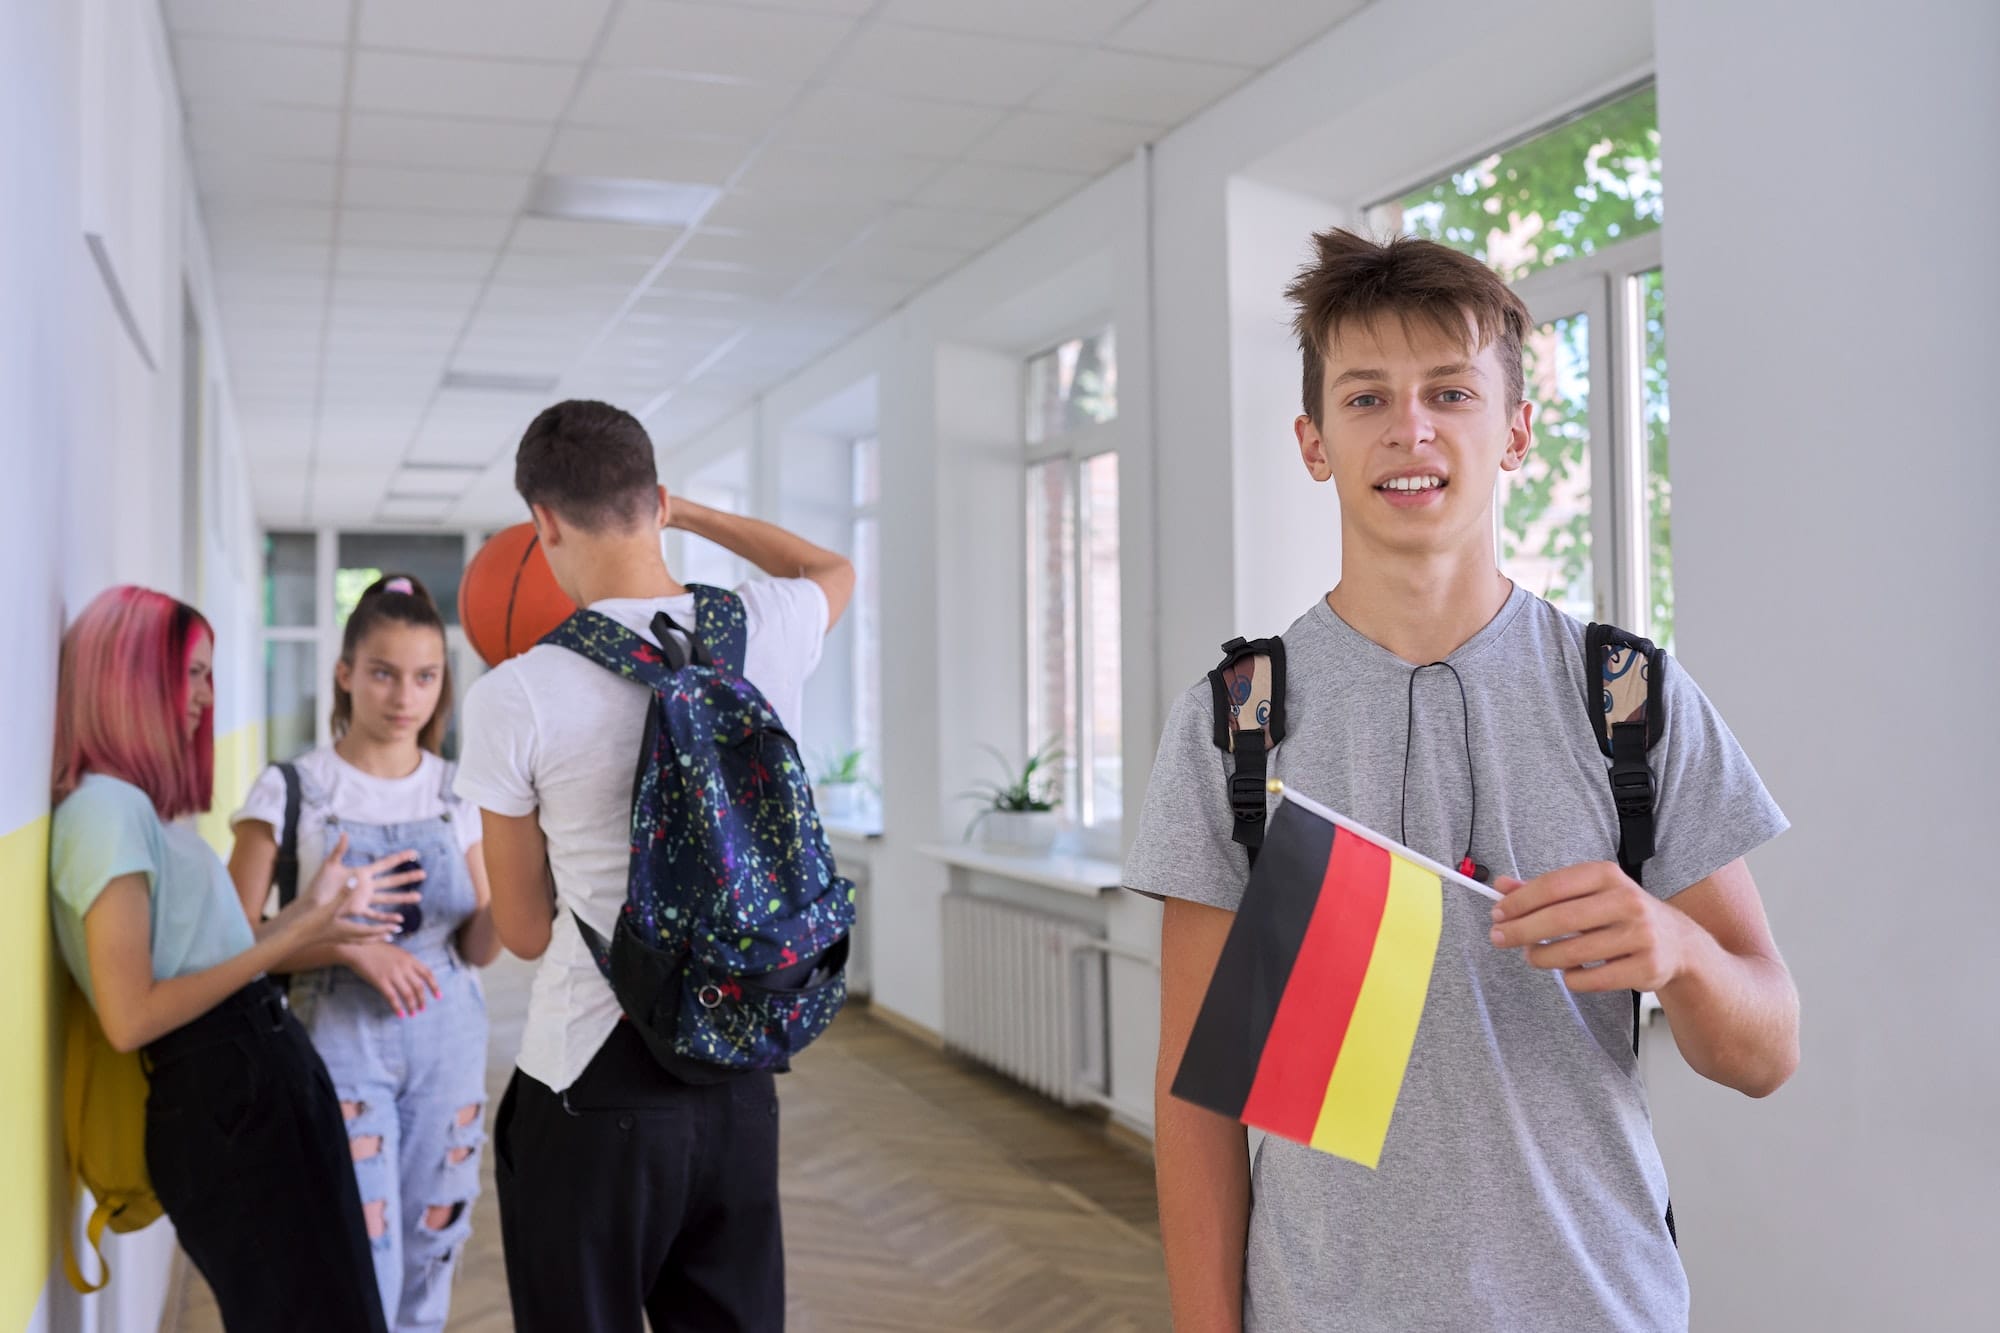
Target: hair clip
{"points": [[402, 586]]}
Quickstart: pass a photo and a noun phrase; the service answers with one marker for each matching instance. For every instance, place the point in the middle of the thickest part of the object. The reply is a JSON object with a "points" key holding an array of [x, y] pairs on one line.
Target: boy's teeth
{"points": [[1412, 483]]}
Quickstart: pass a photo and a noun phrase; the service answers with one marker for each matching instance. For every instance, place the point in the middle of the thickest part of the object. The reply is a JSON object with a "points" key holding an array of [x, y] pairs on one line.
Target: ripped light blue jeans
{"points": [[412, 1090]]}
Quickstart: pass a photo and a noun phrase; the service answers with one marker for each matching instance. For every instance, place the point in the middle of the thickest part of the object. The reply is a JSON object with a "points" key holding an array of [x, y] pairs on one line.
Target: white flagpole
{"points": [[1285, 793]]}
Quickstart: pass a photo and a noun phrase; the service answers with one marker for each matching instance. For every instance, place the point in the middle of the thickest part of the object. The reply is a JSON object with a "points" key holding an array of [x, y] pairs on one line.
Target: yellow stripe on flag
{"points": [[1368, 1075]]}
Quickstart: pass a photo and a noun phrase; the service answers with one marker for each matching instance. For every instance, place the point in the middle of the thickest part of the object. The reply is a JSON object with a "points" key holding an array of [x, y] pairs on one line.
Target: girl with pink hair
{"points": [[244, 1141]]}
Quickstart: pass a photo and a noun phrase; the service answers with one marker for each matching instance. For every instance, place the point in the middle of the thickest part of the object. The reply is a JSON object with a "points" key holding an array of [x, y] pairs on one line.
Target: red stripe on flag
{"points": [[1311, 1023]]}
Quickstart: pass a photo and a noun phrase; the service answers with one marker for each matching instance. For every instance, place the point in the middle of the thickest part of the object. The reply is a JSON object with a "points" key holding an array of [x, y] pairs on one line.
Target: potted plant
{"points": [[840, 791], [1020, 814]]}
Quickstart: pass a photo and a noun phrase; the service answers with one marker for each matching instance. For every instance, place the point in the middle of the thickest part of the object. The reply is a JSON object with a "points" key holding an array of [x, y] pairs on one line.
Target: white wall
{"points": [[1837, 573], [1287, 525], [93, 457]]}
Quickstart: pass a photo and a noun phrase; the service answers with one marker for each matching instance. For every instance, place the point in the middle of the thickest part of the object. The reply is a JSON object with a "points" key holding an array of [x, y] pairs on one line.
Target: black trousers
{"points": [[248, 1154], [633, 1195]]}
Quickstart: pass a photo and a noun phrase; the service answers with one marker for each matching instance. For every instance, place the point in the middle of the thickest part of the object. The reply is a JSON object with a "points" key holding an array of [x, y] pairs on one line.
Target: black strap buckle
{"points": [[1632, 790], [1246, 795]]}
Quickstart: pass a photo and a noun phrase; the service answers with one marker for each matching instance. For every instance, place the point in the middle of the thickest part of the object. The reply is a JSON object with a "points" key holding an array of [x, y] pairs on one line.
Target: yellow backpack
{"points": [[104, 1136]]}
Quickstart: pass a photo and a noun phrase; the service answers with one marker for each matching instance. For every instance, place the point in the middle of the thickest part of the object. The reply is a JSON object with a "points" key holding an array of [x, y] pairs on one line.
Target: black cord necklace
{"points": [[1466, 865]]}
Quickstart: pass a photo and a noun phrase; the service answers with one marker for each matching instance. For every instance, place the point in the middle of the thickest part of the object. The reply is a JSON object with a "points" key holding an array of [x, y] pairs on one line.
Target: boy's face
{"points": [[1413, 432]]}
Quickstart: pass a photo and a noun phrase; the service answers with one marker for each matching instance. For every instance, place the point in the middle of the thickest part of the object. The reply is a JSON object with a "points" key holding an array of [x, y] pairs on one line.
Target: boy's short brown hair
{"points": [[1353, 280], [591, 463]]}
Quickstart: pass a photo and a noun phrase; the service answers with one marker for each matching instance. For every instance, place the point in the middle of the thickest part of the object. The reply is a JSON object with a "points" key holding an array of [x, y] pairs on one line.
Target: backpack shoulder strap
{"points": [[721, 629], [1623, 678], [286, 873], [593, 635], [1248, 686]]}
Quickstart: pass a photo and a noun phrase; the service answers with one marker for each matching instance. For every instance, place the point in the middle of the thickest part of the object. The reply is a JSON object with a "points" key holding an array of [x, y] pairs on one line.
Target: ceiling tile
{"points": [[1082, 21], [899, 259], [581, 150], [528, 29], [382, 139], [946, 227], [309, 133], [495, 89], [744, 210], [847, 118], [251, 258], [1252, 33], [768, 281], [281, 20], [237, 73], [1020, 190], [650, 102], [440, 230], [948, 66], [399, 510], [1059, 142], [264, 180], [403, 294], [229, 222], [854, 7], [562, 237], [530, 268], [429, 188], [802, 245], [812, 176], [369, 261], [730, 43], [1152, 89]]}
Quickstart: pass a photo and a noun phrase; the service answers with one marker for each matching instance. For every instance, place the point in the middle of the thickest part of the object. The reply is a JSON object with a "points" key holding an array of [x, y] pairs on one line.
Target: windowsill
{"points": [[1082, 875], [851, 832]]}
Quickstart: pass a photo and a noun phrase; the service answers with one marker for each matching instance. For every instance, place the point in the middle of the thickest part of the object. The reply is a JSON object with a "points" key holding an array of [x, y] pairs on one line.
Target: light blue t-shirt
{"points": [[107, 828]]}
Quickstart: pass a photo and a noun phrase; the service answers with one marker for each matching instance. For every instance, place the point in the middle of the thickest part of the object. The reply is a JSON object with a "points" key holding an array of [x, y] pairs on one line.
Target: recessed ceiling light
{"points": [[489, 381], [610, 199]]}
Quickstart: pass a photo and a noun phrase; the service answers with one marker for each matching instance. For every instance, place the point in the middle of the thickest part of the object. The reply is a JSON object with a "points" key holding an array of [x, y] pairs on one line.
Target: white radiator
{"points": [[1024, 994]]}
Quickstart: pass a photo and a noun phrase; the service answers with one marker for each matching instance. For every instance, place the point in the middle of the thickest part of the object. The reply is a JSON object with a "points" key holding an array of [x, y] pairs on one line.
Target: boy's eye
{"points": [[1455, 396], [1364, 400]]}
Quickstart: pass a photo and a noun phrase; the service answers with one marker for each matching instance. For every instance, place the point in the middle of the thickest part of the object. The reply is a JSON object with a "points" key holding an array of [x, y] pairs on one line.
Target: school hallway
{"points": [[922, 1195]]}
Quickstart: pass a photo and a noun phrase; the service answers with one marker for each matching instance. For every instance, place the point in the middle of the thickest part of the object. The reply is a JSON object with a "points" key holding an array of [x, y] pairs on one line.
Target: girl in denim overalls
{"points": [[401, 1026]]}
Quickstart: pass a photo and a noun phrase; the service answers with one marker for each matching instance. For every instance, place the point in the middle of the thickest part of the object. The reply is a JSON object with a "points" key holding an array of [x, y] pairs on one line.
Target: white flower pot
{"points": [[1020, 832], [839, 802]]}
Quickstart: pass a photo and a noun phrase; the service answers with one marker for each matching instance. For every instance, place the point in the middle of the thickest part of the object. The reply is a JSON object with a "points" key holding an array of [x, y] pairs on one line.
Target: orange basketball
{"points": [[508, 598]]}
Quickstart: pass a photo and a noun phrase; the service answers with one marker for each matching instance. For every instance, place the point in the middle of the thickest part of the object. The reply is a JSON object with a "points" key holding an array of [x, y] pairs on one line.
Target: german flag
{"points": [[1307, 1025]]}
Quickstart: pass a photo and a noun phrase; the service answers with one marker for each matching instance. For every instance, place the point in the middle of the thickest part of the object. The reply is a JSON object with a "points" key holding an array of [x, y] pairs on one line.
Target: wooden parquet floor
{"points": [[922, 1195]]}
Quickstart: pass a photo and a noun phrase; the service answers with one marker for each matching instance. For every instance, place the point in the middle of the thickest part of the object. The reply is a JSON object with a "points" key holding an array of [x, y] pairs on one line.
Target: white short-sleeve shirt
{"points": [[329, 785], [550, 732]]}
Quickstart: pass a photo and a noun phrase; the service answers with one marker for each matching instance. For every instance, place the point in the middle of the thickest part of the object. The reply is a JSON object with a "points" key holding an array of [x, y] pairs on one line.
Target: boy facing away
{"points": [[628, 1192]]}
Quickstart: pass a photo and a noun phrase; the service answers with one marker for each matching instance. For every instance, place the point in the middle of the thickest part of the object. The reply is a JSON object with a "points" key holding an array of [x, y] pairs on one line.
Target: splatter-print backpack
{"points": [[729, 954]]}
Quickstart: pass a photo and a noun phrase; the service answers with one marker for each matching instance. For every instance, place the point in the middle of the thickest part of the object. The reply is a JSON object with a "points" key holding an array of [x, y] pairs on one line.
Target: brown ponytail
{"points": [[404, 599]]}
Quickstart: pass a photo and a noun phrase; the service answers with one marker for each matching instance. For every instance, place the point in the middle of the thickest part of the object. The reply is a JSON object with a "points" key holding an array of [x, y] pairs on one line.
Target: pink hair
{"points": [[121, 700]]}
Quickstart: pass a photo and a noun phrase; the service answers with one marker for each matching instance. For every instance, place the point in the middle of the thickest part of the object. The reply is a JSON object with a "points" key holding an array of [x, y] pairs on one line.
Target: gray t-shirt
{"points": [[1519, 1185]]}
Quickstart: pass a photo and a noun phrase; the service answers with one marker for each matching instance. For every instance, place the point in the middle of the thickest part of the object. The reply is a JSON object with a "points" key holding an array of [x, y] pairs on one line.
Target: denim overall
{"points": [[413, 1089]]}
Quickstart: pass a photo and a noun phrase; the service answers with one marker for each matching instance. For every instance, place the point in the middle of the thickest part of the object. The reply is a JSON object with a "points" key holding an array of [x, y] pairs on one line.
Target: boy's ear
{"points": [[1520, 437], [1312, 448], [548, 529]]}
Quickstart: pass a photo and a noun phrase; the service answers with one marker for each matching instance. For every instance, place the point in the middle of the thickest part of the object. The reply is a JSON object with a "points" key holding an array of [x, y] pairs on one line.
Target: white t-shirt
{"points": [[329, 785], [549, 731]]}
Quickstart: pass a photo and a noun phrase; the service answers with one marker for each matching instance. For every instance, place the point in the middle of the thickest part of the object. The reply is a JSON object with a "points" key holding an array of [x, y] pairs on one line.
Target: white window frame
{"points": [[1078, 445], [858, 514], [1604, 286]]}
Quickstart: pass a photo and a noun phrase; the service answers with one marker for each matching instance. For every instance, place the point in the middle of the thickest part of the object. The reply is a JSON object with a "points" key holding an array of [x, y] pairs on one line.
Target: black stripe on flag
{"points": [[1227, 1043]]}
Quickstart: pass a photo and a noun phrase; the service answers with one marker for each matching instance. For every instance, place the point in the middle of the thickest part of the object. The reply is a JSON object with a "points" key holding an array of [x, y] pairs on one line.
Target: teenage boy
{"points": [[627, 1192], [1519, 1186]]}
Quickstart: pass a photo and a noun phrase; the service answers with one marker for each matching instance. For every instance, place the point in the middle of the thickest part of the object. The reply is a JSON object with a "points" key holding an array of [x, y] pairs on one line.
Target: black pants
{"points": [[249, 1157], [636, 1195]]}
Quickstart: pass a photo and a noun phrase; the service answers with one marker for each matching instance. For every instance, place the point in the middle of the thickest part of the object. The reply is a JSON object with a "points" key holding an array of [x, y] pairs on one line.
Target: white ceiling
{"points": [[365, 166]]}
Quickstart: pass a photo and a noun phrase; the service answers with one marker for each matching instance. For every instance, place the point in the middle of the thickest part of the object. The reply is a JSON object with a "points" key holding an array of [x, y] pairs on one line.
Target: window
{"points": [[1571, 218], [1072, 576], [866, 611]]}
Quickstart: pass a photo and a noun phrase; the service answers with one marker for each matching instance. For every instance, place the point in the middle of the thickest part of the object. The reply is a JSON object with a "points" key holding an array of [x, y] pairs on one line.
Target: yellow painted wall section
{"points": [[239, 758], [30, 1086]]}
